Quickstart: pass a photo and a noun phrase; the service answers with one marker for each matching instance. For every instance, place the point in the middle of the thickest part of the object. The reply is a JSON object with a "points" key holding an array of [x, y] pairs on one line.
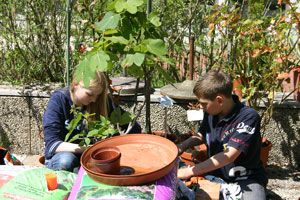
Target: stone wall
{"points": [[21, 112]]}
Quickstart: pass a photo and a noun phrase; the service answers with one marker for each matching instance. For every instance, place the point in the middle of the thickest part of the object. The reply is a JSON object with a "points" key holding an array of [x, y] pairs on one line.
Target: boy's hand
{"points": [[185, 173], [181, 148], [196, 156]]}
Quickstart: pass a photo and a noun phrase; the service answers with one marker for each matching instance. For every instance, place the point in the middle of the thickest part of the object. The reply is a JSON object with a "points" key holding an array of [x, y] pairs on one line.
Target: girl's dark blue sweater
{"points": [[58, 116]]}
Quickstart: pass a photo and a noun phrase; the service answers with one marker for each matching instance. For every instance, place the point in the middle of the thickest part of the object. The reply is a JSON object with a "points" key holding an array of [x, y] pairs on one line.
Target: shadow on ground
{"points": [[272, 195], [277, 174]]}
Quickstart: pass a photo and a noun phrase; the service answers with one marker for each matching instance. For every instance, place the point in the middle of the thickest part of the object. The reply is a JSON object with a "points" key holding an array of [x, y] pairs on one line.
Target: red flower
{"points": [[279, 2], [82, 49]]}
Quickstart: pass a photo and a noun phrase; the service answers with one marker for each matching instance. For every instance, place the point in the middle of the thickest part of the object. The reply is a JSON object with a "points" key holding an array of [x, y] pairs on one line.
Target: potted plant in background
{"points": [[198, 153], [259, 50]]}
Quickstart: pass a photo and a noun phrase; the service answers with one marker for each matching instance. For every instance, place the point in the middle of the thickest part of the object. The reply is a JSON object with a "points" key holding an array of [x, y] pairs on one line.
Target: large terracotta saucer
{"points": [[150, 156]]}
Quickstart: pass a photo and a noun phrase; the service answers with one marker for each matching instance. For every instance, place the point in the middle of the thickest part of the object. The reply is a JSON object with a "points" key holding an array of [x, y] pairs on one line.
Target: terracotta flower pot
{"points": [[237, 91], [264, 152], [186, 157], [200, 153], [106, 160], [151, 157], [42, 160]]}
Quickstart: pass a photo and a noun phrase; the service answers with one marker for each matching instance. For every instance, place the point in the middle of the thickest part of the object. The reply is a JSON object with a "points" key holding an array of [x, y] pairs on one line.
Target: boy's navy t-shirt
{"points": [[241, 130]]}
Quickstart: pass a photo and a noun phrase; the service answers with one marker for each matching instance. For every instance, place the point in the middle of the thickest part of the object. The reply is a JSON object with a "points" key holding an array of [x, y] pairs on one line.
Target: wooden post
{"points": [[191, 58]]}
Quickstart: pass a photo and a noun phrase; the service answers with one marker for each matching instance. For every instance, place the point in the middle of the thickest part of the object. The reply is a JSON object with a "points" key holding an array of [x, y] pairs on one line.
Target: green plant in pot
{"points": [[125, 34], [93, 131], [259, 50]]}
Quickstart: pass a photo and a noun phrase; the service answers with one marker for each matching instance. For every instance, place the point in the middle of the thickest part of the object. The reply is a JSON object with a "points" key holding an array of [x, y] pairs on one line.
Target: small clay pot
{"points": [[106, 160], [264, 152], [200, 153], [42, 160]]}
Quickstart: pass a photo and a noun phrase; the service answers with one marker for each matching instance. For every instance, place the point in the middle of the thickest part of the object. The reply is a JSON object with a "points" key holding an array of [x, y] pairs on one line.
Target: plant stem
{"points": [[147, 77]]}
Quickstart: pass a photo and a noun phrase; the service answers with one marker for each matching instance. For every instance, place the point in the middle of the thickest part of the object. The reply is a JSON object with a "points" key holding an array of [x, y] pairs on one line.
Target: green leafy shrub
{"points": [[32, 41], [256, 49]]}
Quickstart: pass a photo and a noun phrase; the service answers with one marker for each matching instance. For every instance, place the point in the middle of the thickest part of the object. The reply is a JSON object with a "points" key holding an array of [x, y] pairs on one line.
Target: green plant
{"points": [[92, 131], [33, 36], [256, 49], [126, 34]]}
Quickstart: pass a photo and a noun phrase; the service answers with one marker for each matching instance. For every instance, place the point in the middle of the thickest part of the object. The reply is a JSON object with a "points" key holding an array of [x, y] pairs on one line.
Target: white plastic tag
{"points": [[195, 115]]}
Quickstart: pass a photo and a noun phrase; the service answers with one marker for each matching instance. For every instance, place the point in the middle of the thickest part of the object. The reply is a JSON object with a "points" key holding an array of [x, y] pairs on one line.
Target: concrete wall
{"points": [[21, 112]]}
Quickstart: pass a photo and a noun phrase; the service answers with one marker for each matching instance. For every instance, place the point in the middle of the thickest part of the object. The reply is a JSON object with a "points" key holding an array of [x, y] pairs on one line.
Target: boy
{"points": [[232, 133]]}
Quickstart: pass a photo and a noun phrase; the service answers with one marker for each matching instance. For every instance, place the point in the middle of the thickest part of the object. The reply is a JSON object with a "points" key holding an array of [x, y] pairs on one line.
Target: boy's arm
{"points": [[217, 161], [190, 142]]}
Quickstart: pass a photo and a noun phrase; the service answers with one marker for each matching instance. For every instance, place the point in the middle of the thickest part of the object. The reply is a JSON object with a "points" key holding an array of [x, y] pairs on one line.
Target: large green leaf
{"points": [[76, 137], [126, 118], [137, 58], [100, 61], [92, 133], [141, 48], [87, 141], [123, 118], [129, 5], [73, 125], [120, 5], [109, 21], [87, 67], [154, 19], [135, 71], [131, 8], [86, 71], [111, 6], [135, 2], [156, 46], [104, 120], [117, 39], [126, 28], [127, 61], [108, 132]]}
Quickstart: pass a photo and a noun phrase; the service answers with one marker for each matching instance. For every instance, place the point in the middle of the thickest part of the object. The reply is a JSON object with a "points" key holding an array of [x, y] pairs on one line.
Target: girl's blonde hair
{"points": [[100, 106]]}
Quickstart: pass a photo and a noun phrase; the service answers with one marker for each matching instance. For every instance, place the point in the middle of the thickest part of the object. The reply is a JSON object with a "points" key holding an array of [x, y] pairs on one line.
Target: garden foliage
{"points": [[33, 36], [93, 131], [31, 40], [256, 47]]}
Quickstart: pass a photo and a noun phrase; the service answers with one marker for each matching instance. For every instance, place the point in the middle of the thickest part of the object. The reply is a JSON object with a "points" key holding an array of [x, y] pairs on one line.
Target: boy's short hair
{"points": [[212, 83]]}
